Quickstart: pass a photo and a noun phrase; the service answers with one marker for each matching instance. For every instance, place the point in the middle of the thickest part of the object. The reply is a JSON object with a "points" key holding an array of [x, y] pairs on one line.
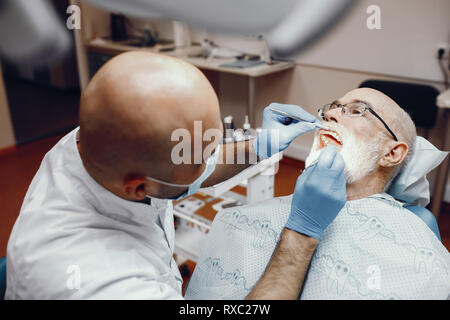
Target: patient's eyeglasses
{"points": [[354, 109]]}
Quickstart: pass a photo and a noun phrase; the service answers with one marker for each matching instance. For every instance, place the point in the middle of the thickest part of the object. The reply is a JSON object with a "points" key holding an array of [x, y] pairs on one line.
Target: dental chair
{"points": [[2, 277], [417, 99], [427, 217]]}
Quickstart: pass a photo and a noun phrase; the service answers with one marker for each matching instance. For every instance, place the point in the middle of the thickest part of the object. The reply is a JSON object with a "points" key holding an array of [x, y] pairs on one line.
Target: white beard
{"points": [[360, 158]]}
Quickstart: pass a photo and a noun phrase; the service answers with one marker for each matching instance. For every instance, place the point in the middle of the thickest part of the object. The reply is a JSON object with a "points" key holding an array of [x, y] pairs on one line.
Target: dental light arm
{"points": [[31, 32], [289, 25], [26, 27]]}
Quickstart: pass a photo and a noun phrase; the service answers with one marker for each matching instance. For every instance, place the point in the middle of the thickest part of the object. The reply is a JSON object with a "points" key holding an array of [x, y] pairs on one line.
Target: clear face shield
{"points": [[194, 186]]}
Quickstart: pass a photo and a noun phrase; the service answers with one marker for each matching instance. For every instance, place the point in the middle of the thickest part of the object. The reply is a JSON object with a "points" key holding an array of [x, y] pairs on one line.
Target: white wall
{"points": [[404, 50], [405, 46]]}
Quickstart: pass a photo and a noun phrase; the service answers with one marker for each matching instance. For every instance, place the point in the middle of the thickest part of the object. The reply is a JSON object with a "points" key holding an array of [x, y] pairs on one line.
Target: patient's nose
{"points": [[332, 115]]}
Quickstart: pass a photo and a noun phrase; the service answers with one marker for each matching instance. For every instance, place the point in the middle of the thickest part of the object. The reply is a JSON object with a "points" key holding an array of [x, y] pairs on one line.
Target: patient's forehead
{"points": [[381, 103]]}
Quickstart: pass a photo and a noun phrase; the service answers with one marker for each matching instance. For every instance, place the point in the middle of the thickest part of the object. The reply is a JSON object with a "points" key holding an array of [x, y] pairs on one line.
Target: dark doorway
{"points": [[43, 101]]}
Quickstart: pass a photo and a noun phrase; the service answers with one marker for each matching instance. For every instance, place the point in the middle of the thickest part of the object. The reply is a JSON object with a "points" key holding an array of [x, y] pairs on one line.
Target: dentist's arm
{"points": [[318, 197], [276, 135], [284, 275]]}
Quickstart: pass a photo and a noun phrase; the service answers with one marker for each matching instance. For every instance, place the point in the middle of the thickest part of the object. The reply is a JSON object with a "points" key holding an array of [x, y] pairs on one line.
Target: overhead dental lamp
{"points": [[287, 25]]}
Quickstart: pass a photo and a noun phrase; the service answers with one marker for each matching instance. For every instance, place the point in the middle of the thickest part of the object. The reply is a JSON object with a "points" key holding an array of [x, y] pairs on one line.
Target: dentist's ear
{"points": [[138, 188], [396, 153]]}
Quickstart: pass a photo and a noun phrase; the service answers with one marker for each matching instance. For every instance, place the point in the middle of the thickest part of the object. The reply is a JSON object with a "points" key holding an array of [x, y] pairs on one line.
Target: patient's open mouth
{"points": [[327, 137]]}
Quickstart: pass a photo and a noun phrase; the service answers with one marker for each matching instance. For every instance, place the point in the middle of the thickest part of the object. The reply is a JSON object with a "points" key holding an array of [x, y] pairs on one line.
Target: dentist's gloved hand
{"points": [[286, 128], [319, 195]]}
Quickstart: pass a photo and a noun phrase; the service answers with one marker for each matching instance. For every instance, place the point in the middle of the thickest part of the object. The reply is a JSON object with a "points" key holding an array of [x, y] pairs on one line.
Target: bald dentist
{"points": [[97, 220]]}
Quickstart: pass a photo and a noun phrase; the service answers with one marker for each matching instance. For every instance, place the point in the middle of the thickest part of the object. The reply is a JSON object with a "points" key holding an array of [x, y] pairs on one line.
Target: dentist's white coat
{"points": [[76, 240]]}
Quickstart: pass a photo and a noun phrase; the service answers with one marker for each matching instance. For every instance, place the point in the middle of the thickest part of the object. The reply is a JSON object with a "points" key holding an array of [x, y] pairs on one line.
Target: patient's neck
{"points": [[371, 184]]}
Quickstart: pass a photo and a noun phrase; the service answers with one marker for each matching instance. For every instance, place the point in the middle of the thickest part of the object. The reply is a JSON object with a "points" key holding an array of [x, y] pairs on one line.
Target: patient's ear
{"points": [[395, 154]]}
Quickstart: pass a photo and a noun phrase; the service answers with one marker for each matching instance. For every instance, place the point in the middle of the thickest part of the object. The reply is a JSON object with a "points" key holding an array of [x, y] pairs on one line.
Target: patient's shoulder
{"points": [[385, 218]]}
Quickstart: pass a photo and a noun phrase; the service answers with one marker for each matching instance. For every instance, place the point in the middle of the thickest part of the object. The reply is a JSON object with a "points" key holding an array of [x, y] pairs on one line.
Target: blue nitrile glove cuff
{"points": [[299, 222]]}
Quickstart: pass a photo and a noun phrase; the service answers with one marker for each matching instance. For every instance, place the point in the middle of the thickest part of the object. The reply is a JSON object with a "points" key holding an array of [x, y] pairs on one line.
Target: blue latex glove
{"points": [[267, 143], [319, 195]]}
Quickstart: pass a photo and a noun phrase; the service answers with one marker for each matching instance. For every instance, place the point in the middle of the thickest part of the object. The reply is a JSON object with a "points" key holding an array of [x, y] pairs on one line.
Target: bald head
{"points": [[130, 109], [395, 117]]}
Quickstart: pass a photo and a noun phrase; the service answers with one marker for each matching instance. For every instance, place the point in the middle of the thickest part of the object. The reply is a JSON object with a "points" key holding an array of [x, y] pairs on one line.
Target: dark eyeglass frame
{"points": [[361, 104]]}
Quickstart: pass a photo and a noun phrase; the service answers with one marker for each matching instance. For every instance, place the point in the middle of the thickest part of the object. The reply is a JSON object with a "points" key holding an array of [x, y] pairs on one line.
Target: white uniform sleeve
{"points": [[107, 269], [124, 275], [132, 289]]}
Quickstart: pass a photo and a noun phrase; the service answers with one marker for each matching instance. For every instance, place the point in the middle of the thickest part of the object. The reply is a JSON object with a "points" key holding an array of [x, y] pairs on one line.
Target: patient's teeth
{"points": [[330, 133]]}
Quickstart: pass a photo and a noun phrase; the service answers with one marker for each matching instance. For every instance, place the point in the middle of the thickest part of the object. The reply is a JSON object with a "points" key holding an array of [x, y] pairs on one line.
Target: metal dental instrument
{"points": [[311, 164], [283, 113]]}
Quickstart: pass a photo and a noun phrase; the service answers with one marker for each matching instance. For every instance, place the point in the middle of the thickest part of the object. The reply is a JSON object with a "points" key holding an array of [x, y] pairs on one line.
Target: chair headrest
{"points": [[411, 185]]}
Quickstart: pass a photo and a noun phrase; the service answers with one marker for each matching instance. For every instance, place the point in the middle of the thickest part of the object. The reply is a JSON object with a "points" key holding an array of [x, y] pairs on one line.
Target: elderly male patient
{"points": [[374, 249]]}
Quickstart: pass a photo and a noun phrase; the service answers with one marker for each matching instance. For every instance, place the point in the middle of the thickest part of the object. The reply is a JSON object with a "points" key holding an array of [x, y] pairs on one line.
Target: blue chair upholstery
{"points": [[2, 277], [426, 217]]}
